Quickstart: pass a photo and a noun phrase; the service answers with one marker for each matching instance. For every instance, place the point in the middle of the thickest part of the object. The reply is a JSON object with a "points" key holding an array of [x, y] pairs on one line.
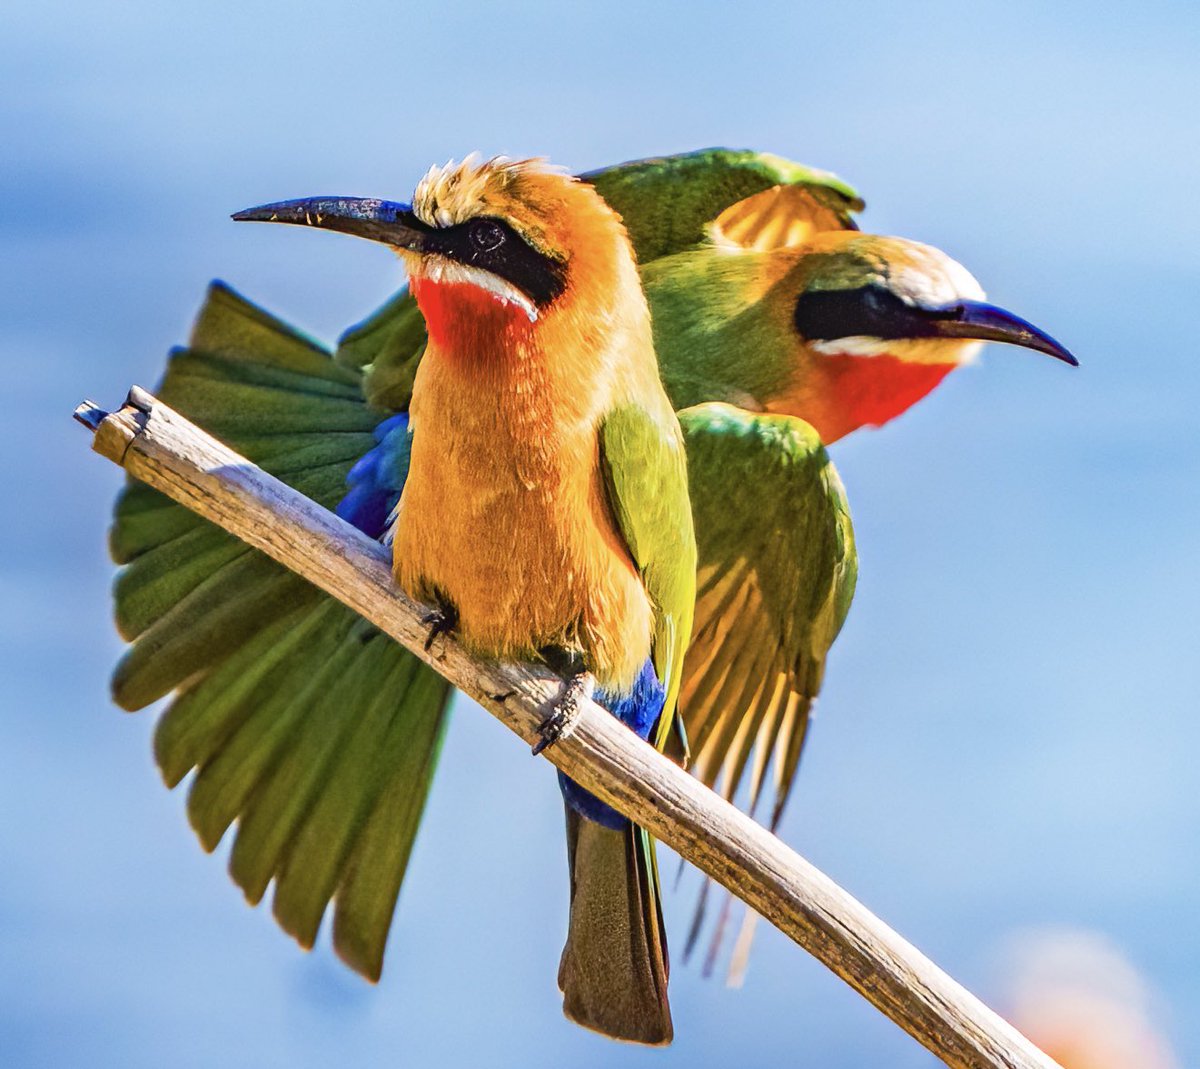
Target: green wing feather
{"points": [[646, 474], [316, 734], [777, 569], [668, 202], [386, 348]]}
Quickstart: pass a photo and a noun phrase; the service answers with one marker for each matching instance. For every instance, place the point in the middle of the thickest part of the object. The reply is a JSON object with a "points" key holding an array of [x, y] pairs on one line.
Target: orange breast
{"points": [[505, 517]]}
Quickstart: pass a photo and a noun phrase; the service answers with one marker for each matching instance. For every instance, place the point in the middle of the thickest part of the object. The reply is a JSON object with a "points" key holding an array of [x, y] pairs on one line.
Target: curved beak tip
{"points": [[988, 322], [281, 212], [1043, 343]]}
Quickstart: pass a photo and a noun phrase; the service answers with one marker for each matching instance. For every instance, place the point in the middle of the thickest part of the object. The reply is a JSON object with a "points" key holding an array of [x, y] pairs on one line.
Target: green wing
{"points": [[669, 202], [386, 348], [777, 569], [318, 735], [614, 967], [646, 475]]}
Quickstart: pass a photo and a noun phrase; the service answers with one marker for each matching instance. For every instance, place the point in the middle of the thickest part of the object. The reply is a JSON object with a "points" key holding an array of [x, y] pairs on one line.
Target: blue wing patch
{"points": [[377, 478]]}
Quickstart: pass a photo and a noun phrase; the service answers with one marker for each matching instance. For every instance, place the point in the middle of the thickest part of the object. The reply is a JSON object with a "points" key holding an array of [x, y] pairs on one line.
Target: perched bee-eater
{"points": [[778, 327], [545, 510]]}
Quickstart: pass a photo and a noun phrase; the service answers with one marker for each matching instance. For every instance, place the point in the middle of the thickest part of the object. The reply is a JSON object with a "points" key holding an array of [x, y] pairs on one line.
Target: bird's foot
{"points": [[440, 621], [577, 689]]}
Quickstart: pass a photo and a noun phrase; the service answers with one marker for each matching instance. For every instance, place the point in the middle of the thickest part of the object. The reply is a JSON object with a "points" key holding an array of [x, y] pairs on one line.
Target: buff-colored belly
{"points": [[515, 533]]}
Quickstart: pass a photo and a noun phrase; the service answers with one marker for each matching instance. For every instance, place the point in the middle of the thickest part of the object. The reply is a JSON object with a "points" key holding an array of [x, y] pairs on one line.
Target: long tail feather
{"points": [[614, 967]]}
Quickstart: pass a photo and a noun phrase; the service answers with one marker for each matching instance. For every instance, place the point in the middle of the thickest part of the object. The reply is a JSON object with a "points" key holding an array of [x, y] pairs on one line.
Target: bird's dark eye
{"points": [[486, 236]]}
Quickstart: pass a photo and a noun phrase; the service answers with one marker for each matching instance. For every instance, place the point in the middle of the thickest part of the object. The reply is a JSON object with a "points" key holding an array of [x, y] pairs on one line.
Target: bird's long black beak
{"points": [[987, 322], [364, 217]]}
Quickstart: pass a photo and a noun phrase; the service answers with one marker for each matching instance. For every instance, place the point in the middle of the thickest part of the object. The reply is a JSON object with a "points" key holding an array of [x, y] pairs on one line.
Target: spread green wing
{"points": [[776, 575], [316, 734], [777, 569]]}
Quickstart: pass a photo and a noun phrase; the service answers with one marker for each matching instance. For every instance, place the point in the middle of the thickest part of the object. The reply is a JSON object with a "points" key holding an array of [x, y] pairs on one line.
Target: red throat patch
{"points": [[462, 318], [860, 391]]}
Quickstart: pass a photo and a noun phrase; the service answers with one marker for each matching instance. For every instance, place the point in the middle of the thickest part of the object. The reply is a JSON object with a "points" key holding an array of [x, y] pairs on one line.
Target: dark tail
{"points": [[613, 973]]}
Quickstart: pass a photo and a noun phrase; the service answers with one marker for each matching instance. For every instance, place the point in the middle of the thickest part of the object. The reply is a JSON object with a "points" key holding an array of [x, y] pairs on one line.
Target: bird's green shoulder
{"points": [[385, 348], [645, 471]]}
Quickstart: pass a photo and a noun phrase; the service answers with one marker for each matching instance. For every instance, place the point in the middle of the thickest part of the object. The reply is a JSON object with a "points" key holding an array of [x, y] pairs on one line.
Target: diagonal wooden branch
{"points": [[164, 450]]}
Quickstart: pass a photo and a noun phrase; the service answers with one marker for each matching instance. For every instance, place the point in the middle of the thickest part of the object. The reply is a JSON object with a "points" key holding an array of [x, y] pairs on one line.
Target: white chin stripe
{"points": [[911, 350], [440, 269], [858, 345]]}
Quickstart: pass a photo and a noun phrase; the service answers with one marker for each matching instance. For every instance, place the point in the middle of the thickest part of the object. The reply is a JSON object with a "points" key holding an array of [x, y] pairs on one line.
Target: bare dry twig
{"points": [[163, 449]]}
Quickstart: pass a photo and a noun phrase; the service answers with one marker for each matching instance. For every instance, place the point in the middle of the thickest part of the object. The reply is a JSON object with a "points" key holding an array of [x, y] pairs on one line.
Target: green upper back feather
{"points": [[668, 202]]}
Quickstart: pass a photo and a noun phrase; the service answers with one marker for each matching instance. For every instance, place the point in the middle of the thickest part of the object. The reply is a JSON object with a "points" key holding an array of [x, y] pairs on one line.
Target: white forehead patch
{"points": [[451, 193], [932, 279]]}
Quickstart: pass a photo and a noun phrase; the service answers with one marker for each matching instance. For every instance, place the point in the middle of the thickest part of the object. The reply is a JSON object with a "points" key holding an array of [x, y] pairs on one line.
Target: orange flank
{"points": [[841, 392]]}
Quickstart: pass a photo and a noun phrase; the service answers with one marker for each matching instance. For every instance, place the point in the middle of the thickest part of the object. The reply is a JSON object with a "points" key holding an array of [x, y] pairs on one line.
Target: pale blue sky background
{"points": [[1009, 734]]}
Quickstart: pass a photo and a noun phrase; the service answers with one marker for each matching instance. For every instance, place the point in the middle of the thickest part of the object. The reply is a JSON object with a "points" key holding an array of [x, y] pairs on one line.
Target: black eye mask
{"points": [[492, 245], [485, 242], [875, 312], [870, 312]]}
